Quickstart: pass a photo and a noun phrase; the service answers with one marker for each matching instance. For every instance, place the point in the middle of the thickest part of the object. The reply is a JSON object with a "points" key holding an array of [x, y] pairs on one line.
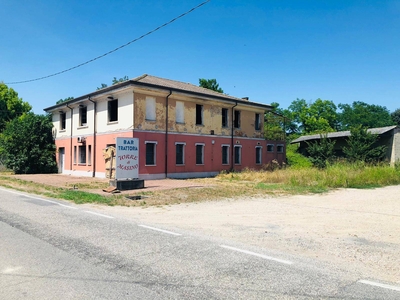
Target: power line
{"points": [[114, 50]]}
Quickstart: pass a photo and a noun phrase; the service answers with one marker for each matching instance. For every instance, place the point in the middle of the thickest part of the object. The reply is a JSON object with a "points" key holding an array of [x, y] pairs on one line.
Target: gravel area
{"points": [[356, 230]]}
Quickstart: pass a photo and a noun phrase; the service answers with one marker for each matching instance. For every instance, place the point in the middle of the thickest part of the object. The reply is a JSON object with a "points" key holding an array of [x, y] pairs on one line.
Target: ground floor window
{"points": [[199, 154], [225, 154], [180, 153], [238, 155], [270, 148], [82, 154], [279, 148], [75, 155], [258, 155], [151, 153]]}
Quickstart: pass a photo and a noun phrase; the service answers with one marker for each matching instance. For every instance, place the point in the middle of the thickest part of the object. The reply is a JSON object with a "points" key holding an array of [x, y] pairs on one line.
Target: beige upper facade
{"points": [[154, 104]]}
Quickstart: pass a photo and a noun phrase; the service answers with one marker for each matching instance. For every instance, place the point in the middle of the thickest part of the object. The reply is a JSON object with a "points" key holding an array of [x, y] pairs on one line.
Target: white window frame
{"points": [[202, 153], [240, 154], [259, 147], [227, 156], [183, 152], [155, 153], [150, 108]]}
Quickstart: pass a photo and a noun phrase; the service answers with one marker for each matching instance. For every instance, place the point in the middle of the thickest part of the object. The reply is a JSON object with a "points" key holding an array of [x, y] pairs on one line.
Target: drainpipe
{"points": [[70, 160], [166, 133], [94, 137], [232, 146]]}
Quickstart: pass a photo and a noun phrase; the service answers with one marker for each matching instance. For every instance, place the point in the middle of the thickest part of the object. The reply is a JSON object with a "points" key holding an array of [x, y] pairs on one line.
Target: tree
{"points": [[275, 123], [11, 106], [396, 117], [114, 81], [315, 117], [210, 84], [362, 146], [321, 152], [64, 100], [363, 114], [27, 145]]}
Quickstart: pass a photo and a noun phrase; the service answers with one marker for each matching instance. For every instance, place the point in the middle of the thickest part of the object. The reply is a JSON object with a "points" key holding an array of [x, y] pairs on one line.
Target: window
{"points": [[257, 123], [258, 155], [180, 153], [150, 153], [199, 154], [224, 117], [82, 154], [82, 116], [238, 155], [279, 148], [62, 120], [237, 119], [89, 155], [199, 114], [74, 154], [270, 148], [180, 112], [150, 108], [225, 154], [113, 110]]}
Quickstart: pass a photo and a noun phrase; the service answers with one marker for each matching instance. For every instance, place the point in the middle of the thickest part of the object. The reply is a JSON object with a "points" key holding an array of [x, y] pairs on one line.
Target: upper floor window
{"points": [[113, 110], [237, 119], [150, 108], [224, 117], [82, 115], [257, 122], [199, 114], [63, 117], [180, 112]]}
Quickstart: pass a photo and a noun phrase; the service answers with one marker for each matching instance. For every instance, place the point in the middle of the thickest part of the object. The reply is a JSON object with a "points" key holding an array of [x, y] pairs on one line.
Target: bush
{"points": [[321, 152], [296, 160]]}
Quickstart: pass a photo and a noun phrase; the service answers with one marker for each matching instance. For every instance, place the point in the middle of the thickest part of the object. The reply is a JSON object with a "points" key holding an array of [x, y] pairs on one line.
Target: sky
{"points": [[267, 50]]}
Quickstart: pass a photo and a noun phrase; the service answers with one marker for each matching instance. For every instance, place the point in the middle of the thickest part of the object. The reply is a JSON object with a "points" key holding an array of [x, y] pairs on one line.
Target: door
{"points": [[61, 159]]}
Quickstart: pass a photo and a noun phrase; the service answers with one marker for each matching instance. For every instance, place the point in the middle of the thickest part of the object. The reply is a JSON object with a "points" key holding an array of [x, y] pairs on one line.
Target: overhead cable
{"points": [[114, 50]]}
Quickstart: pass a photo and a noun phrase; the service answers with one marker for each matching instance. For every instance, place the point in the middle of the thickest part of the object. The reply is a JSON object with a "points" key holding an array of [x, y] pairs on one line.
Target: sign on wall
{"points": [[127, 158]]}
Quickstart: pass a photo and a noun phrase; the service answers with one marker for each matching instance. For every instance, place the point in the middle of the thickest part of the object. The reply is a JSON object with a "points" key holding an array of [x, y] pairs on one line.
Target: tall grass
{"points": [[338, 175]]}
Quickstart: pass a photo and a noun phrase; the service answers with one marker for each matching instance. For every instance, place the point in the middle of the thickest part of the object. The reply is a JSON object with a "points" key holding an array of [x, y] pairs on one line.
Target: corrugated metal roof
{"points": [[339, 134]]}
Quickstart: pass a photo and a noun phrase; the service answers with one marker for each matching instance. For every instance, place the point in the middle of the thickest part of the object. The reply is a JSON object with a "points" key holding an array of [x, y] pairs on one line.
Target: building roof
{"points": [[150, 81], [340, 134]]}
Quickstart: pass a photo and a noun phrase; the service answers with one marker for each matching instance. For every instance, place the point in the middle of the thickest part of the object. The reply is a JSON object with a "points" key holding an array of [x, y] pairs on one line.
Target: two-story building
{"points": [[183, 130]]}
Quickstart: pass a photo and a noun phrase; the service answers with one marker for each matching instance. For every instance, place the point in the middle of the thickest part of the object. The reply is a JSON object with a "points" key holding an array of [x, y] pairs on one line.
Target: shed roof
{"points": [[339, 134]]}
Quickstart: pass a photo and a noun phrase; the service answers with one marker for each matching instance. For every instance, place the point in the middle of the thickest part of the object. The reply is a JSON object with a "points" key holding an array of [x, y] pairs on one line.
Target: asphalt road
{"points": [[51, 249]]}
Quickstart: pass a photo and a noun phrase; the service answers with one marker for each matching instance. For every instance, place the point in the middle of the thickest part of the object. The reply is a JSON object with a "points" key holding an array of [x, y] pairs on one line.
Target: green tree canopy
{"points": [[210, 84], [362, 146], [114, 81], [64, 100], [363, 114], [396, 117], [27, 145], [314, 117], [11, 106]]}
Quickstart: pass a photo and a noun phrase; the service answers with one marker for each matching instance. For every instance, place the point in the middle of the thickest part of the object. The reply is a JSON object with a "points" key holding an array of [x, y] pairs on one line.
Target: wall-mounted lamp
{"points": [[61, 112], [110, 97], [81, 105]]}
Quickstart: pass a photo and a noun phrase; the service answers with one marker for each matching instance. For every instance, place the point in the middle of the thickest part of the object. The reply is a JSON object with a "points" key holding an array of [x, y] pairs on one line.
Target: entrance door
{"points": [[61, 159]]}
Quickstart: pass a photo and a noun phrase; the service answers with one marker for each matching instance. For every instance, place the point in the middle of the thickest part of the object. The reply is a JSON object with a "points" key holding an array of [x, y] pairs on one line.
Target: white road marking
{"points": [[41, 199], [258, 255], [161, 230], [97, 214], [385, 286]]}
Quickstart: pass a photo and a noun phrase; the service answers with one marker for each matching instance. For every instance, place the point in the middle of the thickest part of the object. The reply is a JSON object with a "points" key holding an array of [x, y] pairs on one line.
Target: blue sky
{"points": [[269, 51]]}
